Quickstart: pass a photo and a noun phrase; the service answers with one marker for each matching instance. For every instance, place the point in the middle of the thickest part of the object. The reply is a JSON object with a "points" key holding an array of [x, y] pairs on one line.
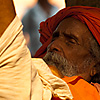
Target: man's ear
{"points": [[93, 71]]}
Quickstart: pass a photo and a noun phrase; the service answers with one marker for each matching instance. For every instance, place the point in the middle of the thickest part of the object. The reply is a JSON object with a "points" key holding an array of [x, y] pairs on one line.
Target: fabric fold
{"points": [[57, 86]]}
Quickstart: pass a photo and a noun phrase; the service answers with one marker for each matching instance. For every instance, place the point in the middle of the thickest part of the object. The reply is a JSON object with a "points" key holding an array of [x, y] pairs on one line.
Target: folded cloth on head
{"points": [[88, 15]]}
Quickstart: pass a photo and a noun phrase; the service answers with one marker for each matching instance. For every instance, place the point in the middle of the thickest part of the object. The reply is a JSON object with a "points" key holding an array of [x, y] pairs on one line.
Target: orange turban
{"points": [[88, 15]]}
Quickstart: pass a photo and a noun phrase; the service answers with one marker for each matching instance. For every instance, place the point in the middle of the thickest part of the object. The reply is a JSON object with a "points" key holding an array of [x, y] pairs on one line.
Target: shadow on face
{"points": [[69, 49]]}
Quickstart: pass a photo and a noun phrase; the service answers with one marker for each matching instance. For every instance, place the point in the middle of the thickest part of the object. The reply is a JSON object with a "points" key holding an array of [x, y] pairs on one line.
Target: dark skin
{"points": [[7, 14], [70, 42]]}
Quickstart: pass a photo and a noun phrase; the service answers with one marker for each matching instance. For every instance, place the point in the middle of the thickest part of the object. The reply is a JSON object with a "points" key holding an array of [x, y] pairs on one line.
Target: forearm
{"points": [[7, 14]]}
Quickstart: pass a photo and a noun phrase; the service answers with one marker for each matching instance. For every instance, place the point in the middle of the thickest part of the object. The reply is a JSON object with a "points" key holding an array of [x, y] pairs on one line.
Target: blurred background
{"points": [[22, 6], [33, 12]]}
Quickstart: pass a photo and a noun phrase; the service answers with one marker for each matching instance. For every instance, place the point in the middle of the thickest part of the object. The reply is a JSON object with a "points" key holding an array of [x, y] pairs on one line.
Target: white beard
{"points": [[61, 64]]}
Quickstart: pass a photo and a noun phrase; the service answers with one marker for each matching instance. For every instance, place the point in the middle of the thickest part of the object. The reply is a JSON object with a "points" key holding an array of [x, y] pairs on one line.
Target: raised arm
{"points": [[7, 14]]}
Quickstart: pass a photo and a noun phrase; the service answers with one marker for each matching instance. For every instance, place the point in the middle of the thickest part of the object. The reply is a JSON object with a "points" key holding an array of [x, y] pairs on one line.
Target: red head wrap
{"points": [[88, 15]]}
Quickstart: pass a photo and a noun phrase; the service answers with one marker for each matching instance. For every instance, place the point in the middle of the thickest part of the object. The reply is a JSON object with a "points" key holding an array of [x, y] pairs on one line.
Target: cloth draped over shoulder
{"points": [[24, 78], [88, 15]]}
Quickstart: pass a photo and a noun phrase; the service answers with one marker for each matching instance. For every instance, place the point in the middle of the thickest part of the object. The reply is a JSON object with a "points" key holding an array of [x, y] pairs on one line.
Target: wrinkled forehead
{"points": [[72, 23], [72, 26]]}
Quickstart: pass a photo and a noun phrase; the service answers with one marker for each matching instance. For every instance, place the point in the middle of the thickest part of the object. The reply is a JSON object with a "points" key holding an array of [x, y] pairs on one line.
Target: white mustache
{"points": [[54, 57]]}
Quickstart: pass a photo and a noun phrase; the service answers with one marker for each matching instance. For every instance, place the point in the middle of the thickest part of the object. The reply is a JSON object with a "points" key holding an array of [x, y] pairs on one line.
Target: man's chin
{"points": [[56, 60]]}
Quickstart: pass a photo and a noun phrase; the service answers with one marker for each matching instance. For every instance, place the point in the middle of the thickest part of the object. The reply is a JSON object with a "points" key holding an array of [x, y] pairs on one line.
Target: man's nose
{"points": [[55, 47]]}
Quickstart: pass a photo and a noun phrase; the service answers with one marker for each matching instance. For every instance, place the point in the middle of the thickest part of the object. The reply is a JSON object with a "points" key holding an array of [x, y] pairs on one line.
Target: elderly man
{"points": [[74, 33], [24, 78]]}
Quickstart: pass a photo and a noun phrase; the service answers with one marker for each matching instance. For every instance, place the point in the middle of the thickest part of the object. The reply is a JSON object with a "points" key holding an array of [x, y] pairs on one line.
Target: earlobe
{"points": [[93, 71]]}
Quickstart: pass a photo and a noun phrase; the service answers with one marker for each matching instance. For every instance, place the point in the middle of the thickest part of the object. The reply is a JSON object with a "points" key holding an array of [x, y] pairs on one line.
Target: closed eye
{"points": [[71, 38], [72, 41]]}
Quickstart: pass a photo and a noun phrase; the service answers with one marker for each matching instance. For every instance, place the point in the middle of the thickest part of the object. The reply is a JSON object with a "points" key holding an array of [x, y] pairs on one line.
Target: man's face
{"points": [[69, 50]]}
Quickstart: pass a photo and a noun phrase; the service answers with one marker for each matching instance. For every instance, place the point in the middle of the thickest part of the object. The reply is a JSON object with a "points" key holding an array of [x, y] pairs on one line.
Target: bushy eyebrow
{"points": [[71, 36]]}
